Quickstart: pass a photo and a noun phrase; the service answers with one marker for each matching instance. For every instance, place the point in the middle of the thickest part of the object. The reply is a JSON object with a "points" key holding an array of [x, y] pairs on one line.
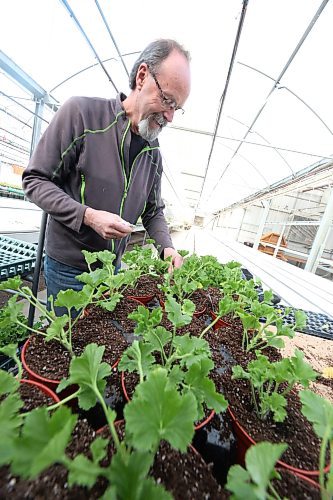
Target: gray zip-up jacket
{"points": [[82, 160]]}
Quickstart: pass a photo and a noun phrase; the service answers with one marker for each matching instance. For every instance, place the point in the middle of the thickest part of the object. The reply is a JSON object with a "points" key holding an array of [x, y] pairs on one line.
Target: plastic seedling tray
{"points": [[16, 257]]}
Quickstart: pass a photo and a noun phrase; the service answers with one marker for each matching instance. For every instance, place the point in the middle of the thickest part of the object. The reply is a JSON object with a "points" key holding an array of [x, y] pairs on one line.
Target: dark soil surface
{"points": [[295, 488], [185, 475], [296, 431], [33, 397], [145, 286], [52, 483], [200, 300], [122, 310], [214, 295], [51, 359]]}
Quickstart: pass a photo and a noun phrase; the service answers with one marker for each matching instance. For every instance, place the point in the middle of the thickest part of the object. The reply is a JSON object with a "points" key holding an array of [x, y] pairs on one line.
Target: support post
{"points": [[279, 241], [267, 204], [321, 237]]}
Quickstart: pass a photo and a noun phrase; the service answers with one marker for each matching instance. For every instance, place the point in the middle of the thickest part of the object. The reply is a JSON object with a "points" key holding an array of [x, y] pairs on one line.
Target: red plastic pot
{"points": [[144, 299], [50, 383], [43, 388], [128, 399], [244, 441], [220, 323]]}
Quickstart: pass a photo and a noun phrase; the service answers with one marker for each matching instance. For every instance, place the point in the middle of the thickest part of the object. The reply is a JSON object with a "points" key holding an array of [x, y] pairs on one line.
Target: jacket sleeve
{"points": [[56, 155], [153, 217]]}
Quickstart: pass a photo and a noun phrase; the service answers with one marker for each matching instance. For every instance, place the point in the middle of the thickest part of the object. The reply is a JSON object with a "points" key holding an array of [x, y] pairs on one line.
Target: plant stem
{"points": [[322, 460], [273, 491], [57, 405], [210, 326], [110, 423], [254, 400]]}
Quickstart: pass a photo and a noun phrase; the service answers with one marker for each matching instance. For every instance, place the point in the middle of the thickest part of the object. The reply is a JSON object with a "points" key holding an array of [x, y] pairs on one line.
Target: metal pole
{"points": [[40, 247], [279, 241], [321, 237], [38, 265], [262, 224]]}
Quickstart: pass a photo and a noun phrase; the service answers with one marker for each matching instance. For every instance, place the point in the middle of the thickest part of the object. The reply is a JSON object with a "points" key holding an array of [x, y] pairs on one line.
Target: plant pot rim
{"points": [[284, 465], [220, 322], [197, 427], [143, 299], [39, 378], [43, 388]]}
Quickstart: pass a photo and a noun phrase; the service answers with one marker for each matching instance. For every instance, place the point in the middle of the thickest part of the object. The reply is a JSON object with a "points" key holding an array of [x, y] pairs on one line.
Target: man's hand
{"points": [[106, 224], [177, 259]]}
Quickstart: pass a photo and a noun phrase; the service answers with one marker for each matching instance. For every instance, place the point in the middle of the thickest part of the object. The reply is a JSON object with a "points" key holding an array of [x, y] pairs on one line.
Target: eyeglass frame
{"points": [[167, 102]]}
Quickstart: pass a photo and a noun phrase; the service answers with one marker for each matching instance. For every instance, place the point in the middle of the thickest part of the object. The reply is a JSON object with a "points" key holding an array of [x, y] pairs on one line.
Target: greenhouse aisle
{"points": [[296, 287]]}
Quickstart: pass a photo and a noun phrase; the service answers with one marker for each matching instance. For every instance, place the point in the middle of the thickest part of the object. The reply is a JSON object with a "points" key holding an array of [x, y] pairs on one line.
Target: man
{"points": [[98, 168]]}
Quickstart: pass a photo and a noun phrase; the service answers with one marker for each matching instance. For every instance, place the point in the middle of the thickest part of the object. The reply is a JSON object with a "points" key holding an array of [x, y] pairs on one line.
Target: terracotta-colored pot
{"points": [[144, 299], [244, 441], [46, 390], [220, 323], [128, 399], [50, 383]]}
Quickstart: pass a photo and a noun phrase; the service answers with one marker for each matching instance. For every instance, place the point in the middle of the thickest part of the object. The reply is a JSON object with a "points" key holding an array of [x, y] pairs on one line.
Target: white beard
{"points": [[146, 131]]}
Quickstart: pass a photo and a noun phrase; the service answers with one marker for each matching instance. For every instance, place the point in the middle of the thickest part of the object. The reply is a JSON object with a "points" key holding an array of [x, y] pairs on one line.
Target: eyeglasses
{"points": [[166, 101]]}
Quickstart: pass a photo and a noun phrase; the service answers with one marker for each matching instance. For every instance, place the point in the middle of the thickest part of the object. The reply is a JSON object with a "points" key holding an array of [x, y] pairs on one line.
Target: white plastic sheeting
{"points": [[41, 37]]}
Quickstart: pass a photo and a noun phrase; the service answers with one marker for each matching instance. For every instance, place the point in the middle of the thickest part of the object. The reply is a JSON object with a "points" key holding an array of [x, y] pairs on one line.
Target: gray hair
{"points": [[154, 54]]}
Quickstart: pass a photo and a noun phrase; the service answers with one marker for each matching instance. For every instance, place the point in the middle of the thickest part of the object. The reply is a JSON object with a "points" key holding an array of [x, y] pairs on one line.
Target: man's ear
{"points": [[141, 75]]}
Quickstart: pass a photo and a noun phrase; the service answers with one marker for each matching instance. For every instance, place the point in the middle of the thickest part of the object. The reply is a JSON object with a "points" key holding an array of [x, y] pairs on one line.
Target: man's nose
{"points": [[168, 114]]}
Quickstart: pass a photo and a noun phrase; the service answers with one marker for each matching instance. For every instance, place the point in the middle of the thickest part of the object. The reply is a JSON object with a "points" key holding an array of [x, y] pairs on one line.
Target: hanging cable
{"points": [[17, 136], [67, 6], [219, 113], [111, 36], [291, 92], [276, 83], [24, 107], [270, 146], [15, 117]]}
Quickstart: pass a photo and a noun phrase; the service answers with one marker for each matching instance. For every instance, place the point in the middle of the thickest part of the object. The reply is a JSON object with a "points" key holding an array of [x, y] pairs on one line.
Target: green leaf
{"points": [[277, 342], [275, 403], [158, 337], [136, 356], [89, 372], [8, 383], [43, 441], [14, 309], [94, 278], [90, 257], [319, 411], [238, 482], [83, 471], [11, 284], [191, 349], [302, 371], [176, 314], [203, 387], [10, 420], [260, 461], [128, 471], [111, 303], [157, 411], [71, 299], [56, 328]]}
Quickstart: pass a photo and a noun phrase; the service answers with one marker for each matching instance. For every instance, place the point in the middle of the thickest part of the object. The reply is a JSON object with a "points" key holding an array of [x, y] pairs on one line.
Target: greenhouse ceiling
{"points": [[260, 108]]}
